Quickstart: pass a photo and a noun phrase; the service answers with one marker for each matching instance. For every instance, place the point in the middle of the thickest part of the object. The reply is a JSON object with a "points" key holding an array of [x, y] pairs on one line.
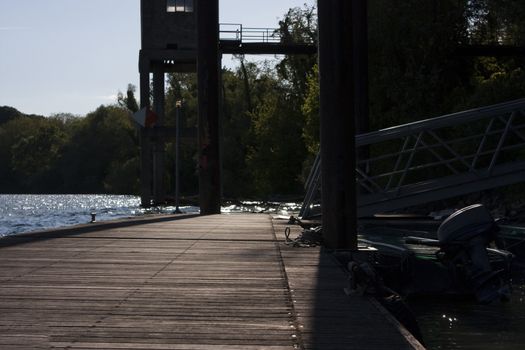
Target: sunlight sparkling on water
{"points": [[462, 324], [24, 213]]}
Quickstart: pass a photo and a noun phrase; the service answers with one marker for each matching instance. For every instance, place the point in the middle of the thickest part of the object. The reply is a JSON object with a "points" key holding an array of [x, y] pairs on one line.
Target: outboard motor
{"points": [[464, 238]]}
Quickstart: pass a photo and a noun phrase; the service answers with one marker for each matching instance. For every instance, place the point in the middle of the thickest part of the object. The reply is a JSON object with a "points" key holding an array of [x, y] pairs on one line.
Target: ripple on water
{"points": [[23, 213], [460, 325]]}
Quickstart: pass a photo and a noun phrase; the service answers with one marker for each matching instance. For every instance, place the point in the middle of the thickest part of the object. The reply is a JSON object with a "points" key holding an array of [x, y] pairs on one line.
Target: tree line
{"points": [[270, 111]]}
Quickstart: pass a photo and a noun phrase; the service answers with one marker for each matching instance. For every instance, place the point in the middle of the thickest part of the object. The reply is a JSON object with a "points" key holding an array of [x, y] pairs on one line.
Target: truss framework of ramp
{"points": [[437, 158]]}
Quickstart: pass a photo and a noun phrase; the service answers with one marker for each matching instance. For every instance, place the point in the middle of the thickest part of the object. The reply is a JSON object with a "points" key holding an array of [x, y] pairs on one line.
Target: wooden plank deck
{"points": [[213, 282]]}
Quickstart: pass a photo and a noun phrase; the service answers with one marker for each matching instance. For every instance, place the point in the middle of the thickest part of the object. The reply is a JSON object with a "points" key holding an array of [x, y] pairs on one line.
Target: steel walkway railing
{"points": [[438, 158], [237, 39], [238, 33]]}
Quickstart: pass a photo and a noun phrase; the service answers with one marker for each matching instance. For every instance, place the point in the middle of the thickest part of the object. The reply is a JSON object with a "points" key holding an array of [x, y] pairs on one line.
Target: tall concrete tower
{"points": [[176, 35], [168, 44]]}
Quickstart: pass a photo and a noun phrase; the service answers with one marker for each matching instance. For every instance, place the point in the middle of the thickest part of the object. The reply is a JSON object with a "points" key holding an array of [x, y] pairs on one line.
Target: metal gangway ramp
{"points": [[434, 159]]}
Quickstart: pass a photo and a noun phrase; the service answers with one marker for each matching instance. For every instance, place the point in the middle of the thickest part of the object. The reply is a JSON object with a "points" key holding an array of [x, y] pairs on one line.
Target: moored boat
{"points": [[464, 257]]}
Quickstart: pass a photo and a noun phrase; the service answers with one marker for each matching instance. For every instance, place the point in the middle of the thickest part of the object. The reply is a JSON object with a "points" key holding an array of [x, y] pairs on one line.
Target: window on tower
{"points": [[179, 6]]}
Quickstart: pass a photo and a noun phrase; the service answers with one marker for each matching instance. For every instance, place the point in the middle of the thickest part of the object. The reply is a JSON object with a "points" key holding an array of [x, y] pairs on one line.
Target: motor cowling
{"points": [[470, 223], [463, 238]]}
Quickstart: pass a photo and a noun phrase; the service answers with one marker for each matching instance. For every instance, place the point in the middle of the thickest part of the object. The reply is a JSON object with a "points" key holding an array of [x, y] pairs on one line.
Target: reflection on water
{"points": [[25, 213], [284, 209], [457, 324], [453, 324]]}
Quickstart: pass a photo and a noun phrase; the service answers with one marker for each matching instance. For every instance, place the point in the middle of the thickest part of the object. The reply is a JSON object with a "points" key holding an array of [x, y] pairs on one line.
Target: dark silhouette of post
{"points": [[178, 111], [208, 65], [158, 145], [360, 63], [146, 190], [337, 108], [360, 57]]}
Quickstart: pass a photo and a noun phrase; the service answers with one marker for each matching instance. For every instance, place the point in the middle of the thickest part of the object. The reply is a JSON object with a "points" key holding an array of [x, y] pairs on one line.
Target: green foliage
{"points": [[123, 176], [104, 138], [129, 102], [237, 106], [298, 26], [8, 113], [275, 159], [182, 87], [187, 168], [67, 154], [270, 115], [504, 85], [34, 157], [16, 129], [496, 21], [414, 70], [263, 141], [412, 65], [310, 110]]}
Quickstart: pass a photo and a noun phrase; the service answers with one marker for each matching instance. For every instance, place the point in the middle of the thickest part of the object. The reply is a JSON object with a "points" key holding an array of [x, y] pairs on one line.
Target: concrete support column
{"points": [[158, 146], [360, 56], [146, 164], [337, 109], [208, 66]]}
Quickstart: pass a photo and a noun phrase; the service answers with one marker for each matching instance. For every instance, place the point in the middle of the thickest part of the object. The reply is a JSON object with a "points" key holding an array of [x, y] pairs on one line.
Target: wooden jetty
{"points": [[201, 282]]}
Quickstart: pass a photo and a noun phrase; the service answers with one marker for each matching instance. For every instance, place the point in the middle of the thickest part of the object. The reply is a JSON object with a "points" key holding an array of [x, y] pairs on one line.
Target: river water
{"points": [[460, 325], [25, 213]]}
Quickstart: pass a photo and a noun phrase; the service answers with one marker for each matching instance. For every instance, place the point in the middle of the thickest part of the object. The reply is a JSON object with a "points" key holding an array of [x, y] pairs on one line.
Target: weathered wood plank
{"points": [[215, 282]]}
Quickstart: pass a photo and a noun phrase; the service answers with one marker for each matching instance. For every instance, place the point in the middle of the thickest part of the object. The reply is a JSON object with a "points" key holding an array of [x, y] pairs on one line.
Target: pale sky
{"points": [[72, 56]]}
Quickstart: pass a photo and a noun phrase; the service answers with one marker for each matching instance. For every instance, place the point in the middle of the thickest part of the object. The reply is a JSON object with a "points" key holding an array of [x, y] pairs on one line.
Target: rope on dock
{"points": [[308, 238]]}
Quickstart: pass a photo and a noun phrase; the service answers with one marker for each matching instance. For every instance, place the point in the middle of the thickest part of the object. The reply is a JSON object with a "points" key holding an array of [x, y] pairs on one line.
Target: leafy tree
{"points": [[182, 88], [310, 109], [495, 79], [123, 176], [103, 143], [413, 70], [237, 107], [34, 157], [277, 151], [8, 113], [10, 132], [496, 21], [299, 26], [129, 101]]}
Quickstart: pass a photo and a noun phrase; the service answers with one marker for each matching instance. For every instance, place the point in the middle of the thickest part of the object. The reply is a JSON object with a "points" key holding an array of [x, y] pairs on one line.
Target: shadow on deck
{"points": [[214, 282]]}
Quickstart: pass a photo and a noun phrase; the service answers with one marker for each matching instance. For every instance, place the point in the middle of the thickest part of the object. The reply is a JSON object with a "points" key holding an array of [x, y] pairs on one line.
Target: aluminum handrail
{"points": [[438, 122], [437, 145], [435, 155], [438, 158]]}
